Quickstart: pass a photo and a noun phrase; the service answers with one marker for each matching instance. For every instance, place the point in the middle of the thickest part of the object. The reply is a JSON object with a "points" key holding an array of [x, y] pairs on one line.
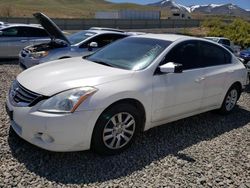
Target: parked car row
{"points": [[102, 100], [61, 47], [245, 55]]}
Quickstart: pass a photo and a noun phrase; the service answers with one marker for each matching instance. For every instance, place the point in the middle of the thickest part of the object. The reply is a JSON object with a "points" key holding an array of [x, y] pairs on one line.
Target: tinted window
{"points": [[133, 54], [24, 32], [103, 40], [212, 55], [10, 32], [80, 36], [186, 53], [35, 32], [224, 41]]}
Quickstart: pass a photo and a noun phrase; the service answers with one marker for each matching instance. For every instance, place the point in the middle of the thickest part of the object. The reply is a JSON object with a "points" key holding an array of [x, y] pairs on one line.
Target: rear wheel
{"points": [[115, 129], [230, 100]]}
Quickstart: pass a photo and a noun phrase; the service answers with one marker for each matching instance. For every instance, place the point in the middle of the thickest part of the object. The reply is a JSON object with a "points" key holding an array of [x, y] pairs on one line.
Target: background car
{"points": [[226, 43], [61, 46], [134, 84], [245, 55], [14, 37], [3, 23]]}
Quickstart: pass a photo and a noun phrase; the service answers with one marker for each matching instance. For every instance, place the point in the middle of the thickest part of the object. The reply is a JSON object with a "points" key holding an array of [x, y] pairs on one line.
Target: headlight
{"points": [[67, 101], [37, 55]]}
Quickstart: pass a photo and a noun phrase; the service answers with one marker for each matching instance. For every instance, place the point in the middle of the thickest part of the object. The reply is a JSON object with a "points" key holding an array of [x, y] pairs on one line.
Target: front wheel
{"points": [[116, 129], [230, 100]]}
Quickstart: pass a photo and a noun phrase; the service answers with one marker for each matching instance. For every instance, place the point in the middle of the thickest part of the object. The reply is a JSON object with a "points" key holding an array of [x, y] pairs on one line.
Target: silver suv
{"points": [[60, 46]]}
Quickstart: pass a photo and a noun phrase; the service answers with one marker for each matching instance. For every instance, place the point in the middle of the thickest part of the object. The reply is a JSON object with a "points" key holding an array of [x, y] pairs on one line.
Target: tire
{"points": [[116, 129], [230, 100]]}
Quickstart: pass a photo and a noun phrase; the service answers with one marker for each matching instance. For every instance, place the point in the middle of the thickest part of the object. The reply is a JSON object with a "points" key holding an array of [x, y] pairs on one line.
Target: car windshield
{"points": [[80, 36], [130, 53]]}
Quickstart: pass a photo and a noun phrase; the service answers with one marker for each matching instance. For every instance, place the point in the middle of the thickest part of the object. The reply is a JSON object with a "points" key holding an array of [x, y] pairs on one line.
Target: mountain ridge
{"points": [[215, 9]]}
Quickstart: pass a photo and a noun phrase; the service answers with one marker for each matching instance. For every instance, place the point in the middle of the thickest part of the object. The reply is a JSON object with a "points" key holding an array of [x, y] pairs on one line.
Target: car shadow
{"points": [[247, 89], [153, 145], [8, 61]]}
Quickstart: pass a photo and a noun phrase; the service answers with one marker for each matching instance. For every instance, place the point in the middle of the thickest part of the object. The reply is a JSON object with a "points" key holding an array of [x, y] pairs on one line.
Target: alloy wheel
{"points": [[119, 130], [231, 99]]}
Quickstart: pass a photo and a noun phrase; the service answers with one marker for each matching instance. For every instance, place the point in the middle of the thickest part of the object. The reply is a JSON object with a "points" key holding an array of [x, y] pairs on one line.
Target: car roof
{"points": [[9, 25], [167, 37], [97, 31], [216, 38]]}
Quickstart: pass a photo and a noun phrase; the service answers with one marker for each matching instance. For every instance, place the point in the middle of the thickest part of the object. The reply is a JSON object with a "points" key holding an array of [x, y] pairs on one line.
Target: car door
{"points": [[13, 39], [101, 41], [215, 61], [176, 94]]}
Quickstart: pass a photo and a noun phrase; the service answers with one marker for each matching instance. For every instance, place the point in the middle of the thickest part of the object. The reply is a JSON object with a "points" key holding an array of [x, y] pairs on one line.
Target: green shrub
{"points": [[237, 30]]}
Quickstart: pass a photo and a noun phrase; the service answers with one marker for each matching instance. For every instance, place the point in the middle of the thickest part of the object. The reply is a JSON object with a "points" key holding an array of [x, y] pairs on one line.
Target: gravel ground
{"points": [[207, 150]]}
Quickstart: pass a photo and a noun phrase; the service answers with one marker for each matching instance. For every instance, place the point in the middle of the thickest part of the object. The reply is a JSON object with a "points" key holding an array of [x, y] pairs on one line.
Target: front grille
{"points": [[21, 96]]}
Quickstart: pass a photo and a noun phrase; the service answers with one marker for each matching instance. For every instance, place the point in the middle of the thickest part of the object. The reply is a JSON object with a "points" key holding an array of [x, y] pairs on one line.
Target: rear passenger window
{"points": [[36, 32], [212, 55]]}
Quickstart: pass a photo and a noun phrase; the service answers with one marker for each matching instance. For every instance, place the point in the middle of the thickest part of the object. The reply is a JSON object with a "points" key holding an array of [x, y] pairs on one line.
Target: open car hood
{"points": [[52, 29]]}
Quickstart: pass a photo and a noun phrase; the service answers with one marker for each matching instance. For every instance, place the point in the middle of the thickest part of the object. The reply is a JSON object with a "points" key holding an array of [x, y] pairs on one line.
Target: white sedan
{"points": [[104, 100]]}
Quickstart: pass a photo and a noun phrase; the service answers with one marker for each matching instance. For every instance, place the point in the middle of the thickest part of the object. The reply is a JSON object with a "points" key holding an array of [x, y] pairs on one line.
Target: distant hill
{"points": [[63, 8], [87, 8]]}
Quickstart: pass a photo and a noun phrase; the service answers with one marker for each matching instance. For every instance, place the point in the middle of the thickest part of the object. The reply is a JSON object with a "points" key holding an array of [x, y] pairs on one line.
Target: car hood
{"points": [[50, 78], [52, 29]]}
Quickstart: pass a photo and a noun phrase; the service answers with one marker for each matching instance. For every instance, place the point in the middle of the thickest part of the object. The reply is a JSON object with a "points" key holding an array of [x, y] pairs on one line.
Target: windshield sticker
{"points": [[89, 34]]}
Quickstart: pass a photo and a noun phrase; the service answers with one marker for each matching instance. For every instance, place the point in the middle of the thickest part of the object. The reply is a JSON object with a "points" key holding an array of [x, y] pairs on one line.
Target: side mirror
{"points": [[93, 45], [171, 67]]}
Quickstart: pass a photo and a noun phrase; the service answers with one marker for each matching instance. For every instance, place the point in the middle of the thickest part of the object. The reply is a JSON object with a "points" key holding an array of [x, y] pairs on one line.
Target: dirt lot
{"points": [[207, 150]]}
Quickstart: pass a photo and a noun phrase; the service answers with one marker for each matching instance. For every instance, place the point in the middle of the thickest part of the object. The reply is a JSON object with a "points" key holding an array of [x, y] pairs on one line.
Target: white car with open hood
{"points": [[134, 84]]}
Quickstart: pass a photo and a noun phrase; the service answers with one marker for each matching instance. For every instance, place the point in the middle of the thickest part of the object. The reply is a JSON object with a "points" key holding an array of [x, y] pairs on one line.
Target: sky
{"points": [[241, 3]]}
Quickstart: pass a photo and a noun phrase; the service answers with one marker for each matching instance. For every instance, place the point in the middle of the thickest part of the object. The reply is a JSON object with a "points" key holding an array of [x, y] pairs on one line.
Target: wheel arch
{"points": [[127, 101], [239, 86], [135, 103]]}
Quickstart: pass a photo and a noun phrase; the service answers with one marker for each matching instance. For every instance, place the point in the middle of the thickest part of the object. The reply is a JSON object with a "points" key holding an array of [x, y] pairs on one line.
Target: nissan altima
{"points": [[134, 84]]}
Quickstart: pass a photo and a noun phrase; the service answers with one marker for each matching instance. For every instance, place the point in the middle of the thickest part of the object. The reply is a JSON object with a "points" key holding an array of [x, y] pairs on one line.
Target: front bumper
{"points": [[54, 132], [27, 62]]}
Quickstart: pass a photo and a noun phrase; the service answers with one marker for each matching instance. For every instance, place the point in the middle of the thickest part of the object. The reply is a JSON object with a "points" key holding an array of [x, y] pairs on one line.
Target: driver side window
{"points": [[103, 40], [186, 53]]}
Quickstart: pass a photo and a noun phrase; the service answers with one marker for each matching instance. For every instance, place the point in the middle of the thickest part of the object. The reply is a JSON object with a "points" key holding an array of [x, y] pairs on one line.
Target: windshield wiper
{"points": [[101, 62], [86, 56]]}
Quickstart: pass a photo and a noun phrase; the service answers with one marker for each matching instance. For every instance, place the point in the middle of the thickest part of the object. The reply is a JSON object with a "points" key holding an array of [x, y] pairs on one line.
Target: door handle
{"points": [[24, 41], [200, 79], [230, 71]]}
